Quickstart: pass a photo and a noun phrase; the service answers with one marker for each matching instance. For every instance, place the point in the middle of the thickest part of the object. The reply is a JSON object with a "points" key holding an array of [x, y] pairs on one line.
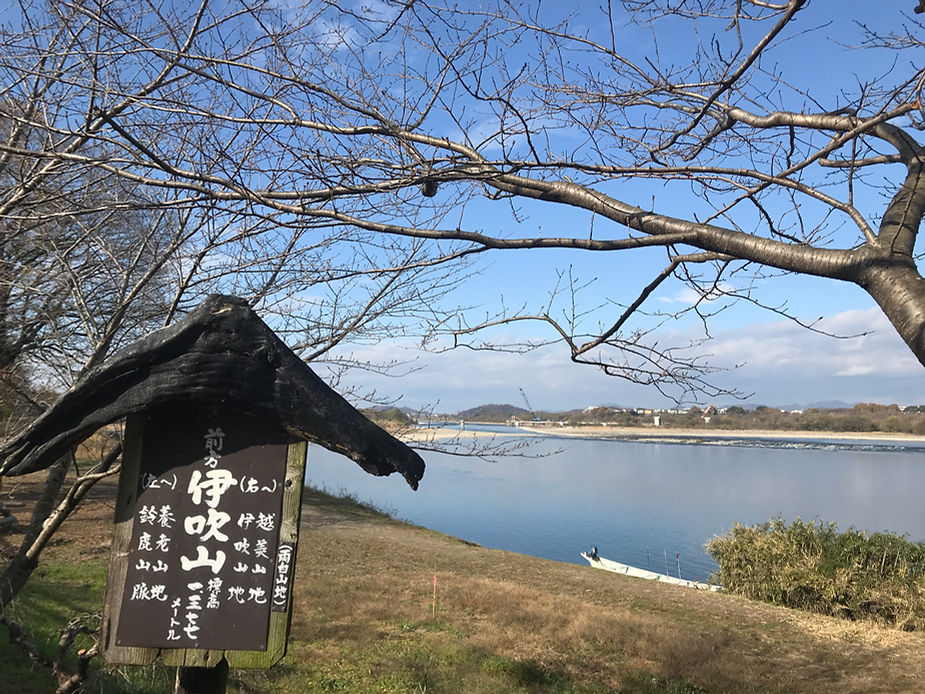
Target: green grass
{"points": [[441, 667], [55, 594]]}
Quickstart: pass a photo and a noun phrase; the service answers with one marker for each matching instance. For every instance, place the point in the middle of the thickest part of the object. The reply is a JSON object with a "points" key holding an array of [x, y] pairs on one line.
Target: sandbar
{"points": [[656, 433], [672, 433]]}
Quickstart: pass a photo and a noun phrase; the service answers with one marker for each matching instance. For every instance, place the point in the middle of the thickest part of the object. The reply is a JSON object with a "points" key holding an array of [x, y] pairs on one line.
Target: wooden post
{"points": [[202, 680]]}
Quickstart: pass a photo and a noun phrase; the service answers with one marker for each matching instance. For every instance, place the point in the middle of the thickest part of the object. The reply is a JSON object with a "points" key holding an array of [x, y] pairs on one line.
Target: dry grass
{"points": [[363, 621], [815, 567], [591, 627]]}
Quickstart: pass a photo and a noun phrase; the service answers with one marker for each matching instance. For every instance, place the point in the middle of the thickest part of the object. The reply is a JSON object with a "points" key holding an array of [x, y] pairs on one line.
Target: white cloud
{"points": [[782, 363], [786, 345]]}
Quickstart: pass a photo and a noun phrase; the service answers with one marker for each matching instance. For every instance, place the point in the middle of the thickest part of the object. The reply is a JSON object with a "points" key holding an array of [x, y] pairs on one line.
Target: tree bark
{"points": [[899, 290], [23, 563]]}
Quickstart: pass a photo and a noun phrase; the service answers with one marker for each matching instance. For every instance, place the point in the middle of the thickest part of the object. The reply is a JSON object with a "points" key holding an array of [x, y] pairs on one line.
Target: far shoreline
{"points": [[664, 434]]}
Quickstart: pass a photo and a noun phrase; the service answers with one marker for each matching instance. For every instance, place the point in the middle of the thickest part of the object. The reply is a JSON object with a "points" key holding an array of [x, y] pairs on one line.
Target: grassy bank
{"points": [[364, 621]]}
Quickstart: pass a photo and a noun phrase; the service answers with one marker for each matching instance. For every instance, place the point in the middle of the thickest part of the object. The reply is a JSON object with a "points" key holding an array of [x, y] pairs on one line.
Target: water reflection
{"points": [[643, 502]]}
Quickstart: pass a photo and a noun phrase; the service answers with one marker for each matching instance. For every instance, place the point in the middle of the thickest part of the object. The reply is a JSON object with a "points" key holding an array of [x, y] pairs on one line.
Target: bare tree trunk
{"points": [[52, 508], [899, 289], [25, 560]]}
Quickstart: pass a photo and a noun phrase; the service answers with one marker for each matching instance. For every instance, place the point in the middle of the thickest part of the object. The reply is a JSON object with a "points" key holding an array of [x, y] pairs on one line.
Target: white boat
{"points": [[616, 567]]}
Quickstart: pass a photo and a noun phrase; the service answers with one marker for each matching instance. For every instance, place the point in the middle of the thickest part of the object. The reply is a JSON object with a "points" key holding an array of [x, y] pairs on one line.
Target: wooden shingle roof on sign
{"points": [[220, 355]]}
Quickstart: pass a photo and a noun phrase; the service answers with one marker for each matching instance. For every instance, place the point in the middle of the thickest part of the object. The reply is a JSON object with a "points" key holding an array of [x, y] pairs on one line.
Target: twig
{"points": [[68, 682]]}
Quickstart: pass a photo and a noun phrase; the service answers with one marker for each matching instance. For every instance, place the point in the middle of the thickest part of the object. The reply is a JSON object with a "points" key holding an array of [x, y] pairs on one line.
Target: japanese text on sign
{"points": [[205, 564]]}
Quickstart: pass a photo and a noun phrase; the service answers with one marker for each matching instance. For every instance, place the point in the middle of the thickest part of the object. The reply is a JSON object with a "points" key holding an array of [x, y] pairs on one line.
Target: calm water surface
{"points": [[647, 504]]}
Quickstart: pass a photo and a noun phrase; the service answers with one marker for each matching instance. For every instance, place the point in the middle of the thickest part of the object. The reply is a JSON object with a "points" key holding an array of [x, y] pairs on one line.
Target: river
{"points": [[652, 504]]}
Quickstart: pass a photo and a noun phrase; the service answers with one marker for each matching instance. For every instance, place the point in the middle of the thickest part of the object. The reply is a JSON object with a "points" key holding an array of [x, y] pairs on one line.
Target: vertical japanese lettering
{"points": [[204, 550]]}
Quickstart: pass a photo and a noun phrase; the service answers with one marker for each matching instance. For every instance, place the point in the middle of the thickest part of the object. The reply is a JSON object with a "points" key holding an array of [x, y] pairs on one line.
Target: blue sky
{"points": [[773, 360], [780, 364], [776, 360]]}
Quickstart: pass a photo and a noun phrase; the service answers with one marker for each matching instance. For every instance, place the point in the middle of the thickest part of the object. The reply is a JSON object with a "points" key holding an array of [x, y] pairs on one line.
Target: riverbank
{"points": [[655, 434], [367, 618]]}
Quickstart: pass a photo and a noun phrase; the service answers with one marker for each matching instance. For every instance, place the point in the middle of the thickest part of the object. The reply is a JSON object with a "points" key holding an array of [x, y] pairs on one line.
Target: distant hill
{"points": [[493, 413], [389, 418]]}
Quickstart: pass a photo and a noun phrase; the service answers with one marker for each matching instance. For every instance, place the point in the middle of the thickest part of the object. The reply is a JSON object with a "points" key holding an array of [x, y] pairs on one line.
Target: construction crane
{"points": [[529, 406]]}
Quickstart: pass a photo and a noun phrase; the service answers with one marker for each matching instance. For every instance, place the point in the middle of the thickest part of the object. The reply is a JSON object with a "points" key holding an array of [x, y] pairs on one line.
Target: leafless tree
{"points": [[92, 255], [336, 162], [386, 127]]}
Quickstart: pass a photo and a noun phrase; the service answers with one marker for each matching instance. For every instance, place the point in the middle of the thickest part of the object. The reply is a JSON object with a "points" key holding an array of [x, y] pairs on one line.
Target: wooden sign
{"points": [[205, 541]]}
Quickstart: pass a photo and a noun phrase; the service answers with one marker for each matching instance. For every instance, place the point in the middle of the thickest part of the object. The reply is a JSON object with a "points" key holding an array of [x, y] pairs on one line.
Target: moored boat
{"points": [[598, 562]]}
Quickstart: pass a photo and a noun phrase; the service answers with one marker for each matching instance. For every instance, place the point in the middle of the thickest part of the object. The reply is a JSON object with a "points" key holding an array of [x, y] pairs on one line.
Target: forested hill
{"points": [[494, 413]]}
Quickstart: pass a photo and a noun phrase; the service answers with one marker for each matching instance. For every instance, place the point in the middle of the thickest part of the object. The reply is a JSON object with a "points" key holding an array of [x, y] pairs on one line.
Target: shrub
{"points": [[812, 566]]}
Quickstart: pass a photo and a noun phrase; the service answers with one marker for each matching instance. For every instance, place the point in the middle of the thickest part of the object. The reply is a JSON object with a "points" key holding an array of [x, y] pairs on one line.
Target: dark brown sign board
{"points": [[204, 547]]}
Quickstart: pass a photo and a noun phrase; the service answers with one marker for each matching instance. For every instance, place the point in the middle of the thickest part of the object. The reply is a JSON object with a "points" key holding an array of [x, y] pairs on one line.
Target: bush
{"points": [[811, 566]]}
